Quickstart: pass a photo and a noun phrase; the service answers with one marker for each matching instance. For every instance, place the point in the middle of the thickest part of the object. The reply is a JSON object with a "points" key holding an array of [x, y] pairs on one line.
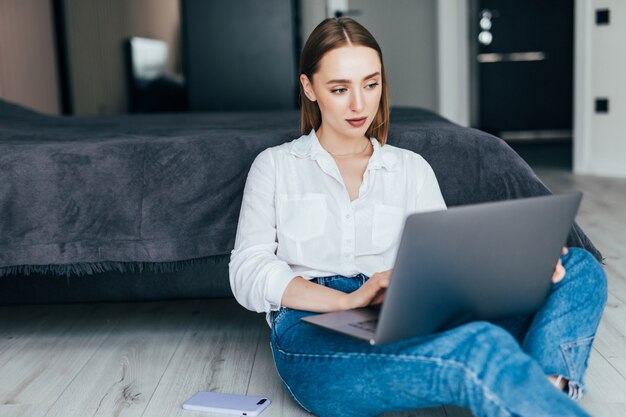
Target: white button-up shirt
{"points": [[297, 219]]}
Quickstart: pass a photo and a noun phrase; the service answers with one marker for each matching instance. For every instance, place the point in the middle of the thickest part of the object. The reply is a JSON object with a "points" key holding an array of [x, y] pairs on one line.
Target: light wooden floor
{"points": [[145, 359]]}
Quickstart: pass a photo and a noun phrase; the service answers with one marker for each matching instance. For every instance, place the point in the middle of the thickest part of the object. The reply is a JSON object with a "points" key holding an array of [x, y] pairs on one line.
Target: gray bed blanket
{"points": [[80, 195]]}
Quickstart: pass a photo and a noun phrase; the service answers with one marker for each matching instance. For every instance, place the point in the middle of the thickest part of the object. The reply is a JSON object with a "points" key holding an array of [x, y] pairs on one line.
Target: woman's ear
{"points": [[307, 87]]}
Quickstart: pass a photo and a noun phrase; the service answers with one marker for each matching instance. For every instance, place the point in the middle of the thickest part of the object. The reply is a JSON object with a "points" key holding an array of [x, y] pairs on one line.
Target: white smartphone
{"points": [[240, 405]]}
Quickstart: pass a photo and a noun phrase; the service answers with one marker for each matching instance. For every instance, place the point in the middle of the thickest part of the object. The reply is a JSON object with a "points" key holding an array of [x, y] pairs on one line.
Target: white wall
{"points": [[312, 12], [406, 31], [600, 65]]}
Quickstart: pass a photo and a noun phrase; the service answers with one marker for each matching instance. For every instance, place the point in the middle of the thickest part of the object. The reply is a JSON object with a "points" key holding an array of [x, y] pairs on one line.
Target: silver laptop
{"points": [[476, 262]]}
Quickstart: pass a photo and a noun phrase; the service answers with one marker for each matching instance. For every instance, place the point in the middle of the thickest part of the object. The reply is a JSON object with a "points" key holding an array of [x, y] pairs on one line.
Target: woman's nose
{"points": [[356, 104]]}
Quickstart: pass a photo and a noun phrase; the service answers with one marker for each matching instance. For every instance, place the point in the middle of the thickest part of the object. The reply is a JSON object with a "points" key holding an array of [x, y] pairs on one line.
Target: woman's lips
{"points": [[357, 122]]}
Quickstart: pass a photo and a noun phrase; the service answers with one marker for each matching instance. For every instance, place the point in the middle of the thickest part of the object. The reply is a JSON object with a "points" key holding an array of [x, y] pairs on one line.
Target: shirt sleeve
{"points": [[258, 278], [429, 196]]}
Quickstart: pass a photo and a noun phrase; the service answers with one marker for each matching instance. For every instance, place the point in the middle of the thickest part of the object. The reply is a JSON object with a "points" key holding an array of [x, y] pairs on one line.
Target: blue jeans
{"points": [[494, 368]]}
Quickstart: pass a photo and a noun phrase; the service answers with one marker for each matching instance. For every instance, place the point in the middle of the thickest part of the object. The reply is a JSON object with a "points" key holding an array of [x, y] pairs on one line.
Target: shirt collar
{"points": [[308, 146]]}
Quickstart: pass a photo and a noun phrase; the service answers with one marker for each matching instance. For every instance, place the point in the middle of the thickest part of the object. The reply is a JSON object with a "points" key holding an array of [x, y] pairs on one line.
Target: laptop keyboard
{"points": [[367, 325]]}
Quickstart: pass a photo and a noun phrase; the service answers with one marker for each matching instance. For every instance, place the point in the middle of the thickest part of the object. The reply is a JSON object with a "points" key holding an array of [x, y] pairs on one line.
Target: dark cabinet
{"points": [[240, 54]]}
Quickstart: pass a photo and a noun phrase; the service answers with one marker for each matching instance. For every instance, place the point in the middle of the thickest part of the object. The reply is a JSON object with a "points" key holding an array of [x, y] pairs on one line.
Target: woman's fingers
{"points": [[373, 291], [376, 297], [381, 283], [559, 272], [380, 279]]}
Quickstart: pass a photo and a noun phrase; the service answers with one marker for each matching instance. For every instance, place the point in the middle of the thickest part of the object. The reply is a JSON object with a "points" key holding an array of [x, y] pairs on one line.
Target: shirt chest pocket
{"points": [[386, 225], [301, 217]]}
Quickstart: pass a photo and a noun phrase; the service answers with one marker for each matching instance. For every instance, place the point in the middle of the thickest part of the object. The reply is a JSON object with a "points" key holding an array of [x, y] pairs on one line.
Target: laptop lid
{"points": [[474, 262]]}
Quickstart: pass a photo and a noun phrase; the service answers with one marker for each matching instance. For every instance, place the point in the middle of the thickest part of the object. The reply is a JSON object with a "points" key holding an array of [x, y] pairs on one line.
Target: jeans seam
{"points": [[287, 385], [283, 332], [490, 395]]}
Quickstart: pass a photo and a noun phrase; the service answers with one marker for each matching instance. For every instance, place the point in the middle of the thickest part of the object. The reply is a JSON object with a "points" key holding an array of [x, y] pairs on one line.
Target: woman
{"points": [[318, 230]]}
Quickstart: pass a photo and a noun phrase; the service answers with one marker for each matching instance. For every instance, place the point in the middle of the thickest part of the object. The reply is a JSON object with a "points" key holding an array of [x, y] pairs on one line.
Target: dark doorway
{"points": [[523, 62]]}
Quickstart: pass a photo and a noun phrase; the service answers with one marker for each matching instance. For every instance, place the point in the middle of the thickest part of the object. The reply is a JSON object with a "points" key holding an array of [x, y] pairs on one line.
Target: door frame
{"points": [[583, 97], [454, 69], [453, 59]]}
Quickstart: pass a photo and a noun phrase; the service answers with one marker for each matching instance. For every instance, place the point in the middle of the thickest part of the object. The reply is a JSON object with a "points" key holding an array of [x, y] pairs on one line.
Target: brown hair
{"points": [[330, 34]]}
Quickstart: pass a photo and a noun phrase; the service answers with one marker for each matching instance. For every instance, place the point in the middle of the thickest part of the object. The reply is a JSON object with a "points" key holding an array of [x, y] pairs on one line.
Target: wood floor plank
{"points": [[216, 354], [20, 325], [125, 369], [604, 383], [17, 410], [611, 335], [606, 409], [616, 278], [41, 369]]}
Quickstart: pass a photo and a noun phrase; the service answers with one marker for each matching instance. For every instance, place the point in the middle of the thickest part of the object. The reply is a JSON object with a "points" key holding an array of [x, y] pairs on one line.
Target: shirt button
{"points": [[348, 216]]}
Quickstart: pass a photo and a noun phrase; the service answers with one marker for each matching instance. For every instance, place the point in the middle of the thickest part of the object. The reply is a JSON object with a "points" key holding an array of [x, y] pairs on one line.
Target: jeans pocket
{"points": [[576, 355], [277, 315], [283, 320]]}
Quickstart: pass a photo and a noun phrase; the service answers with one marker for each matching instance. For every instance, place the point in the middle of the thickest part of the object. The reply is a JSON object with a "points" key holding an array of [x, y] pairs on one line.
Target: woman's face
{"points": [[347, 85]]}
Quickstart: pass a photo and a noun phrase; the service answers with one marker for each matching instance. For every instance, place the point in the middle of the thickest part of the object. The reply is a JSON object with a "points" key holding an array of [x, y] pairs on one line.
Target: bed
{"points": [[146, 206]]}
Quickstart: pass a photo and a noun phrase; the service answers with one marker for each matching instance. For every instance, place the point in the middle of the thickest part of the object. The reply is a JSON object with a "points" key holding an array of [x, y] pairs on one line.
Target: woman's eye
{"points": [[342, 90]]}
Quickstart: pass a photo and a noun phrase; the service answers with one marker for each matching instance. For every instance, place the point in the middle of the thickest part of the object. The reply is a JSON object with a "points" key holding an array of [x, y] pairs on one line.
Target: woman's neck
{"points": [[337, 144]]}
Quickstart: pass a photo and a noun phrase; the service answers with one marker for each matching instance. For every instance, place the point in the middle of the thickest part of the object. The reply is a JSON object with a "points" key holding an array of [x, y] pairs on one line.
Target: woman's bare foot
{"points": [[558, 381]]}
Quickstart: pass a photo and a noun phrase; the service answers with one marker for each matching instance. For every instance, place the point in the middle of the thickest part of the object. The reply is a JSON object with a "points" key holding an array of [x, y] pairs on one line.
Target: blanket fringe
{"points": [[90, 268]]}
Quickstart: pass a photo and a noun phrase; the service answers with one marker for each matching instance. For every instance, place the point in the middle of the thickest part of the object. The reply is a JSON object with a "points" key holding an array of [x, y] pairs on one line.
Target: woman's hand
{"points": [[559, 270], [372, 292]]}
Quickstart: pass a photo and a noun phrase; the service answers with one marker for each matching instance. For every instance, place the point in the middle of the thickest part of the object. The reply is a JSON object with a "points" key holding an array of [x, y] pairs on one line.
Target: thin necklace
{"points": [[351, 153]]}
